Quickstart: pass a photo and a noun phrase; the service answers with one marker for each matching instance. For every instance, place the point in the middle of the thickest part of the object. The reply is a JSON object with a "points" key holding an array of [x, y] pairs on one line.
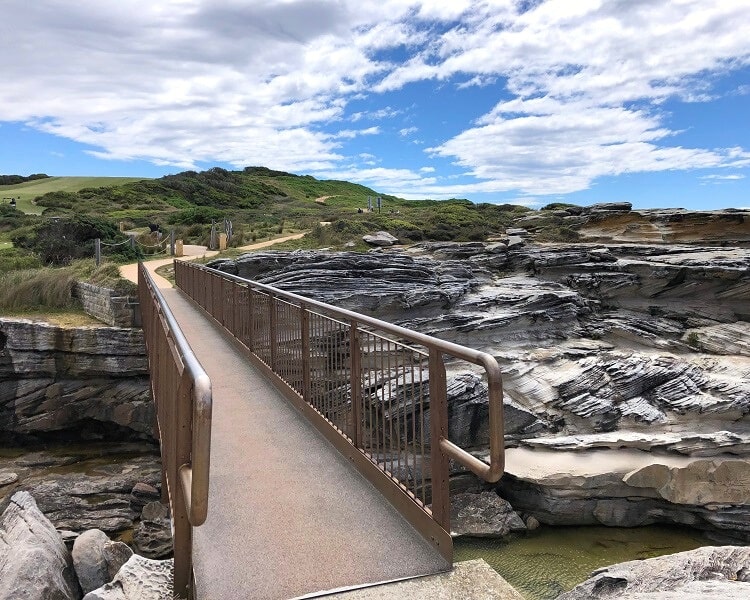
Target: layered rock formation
{"points": [[708, 572], [72, 383], [84, 488], [603, 346]]}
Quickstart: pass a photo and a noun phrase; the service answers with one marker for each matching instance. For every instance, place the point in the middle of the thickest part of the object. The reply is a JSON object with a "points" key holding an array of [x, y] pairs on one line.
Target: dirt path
{"points": [[130, 271]]}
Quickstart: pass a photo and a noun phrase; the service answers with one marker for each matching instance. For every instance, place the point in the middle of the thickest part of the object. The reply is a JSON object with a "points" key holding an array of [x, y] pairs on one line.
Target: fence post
{"points": [[438, 430], [355, 383], [272, 318], [171, 243], [183, 567], [98, 251], [306, 362]]}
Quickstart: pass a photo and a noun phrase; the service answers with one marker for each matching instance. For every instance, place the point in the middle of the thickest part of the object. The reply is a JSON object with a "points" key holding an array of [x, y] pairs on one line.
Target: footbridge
{"points": [[305, 448]]}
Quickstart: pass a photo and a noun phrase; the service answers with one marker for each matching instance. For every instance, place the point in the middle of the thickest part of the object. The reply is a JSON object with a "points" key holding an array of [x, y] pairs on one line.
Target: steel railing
{"points": [[377, 391], [182, 395]]}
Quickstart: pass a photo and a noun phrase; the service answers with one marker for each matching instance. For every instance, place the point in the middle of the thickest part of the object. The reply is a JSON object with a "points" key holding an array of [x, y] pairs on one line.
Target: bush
{"points": [[59, 241], [58, 200], [16, 259], [11, 218], [196, 215]]}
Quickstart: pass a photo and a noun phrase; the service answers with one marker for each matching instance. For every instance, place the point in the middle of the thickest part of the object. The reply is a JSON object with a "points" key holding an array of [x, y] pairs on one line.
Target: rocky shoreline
{"points": [[626, 369], [636, 350]]}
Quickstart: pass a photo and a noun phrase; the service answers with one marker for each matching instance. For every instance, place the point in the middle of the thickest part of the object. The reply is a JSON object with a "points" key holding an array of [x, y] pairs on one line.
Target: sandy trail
{"points": [[191, 252]]}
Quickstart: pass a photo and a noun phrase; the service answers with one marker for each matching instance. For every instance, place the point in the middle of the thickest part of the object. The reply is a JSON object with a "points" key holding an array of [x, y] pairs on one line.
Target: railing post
{"points": [[251, 313], [306, 362], [272, 326], [438, 430], [355, 383], [182, 529]]}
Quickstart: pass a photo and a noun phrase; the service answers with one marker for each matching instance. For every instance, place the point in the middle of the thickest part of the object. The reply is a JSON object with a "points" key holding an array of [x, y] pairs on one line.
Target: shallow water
{"points": [[546, 562]]}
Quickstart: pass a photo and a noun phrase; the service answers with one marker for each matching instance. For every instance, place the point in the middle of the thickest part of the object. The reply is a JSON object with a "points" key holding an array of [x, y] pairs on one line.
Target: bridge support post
{"points": [[272, 330], [355, 381], [306, 363], [183, 533], [251, 313], [439, 462]]}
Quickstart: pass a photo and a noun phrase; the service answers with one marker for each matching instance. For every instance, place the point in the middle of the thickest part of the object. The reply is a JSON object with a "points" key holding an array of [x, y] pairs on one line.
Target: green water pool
{"points": [[546, 562]]}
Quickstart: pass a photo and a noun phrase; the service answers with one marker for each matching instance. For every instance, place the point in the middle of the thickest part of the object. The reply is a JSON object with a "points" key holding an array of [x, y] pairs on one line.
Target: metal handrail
{"points": [[182, 394], [217, 292], [491, 472]]}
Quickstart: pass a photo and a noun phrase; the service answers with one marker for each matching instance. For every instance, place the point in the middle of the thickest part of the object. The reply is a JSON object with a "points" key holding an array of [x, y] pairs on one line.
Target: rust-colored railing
{"points": [[377, 391], [182, 395]]}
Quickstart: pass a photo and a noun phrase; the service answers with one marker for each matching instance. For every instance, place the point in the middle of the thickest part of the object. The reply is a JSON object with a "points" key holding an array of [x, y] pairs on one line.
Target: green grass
{"points": [[4, 245], [36, 289], [26, 192]]}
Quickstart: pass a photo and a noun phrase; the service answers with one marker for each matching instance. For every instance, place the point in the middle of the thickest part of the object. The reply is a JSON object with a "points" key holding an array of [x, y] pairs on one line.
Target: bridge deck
{"points": [[288, 515]]}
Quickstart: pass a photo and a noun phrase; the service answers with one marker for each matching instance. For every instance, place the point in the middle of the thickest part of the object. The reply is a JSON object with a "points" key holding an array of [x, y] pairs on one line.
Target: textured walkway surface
{"points": [[288, 515]]}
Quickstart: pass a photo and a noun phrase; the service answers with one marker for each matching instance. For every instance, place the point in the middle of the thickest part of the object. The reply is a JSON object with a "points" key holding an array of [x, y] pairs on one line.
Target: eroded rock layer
{"points": [[602, 346], [72, 383]]}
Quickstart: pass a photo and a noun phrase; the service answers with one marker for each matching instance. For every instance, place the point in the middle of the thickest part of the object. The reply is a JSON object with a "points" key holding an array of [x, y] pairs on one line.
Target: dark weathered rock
{"points": [[624, 206], [483, 515], [94, 493], [143, 493], [73, 383], [152, 536], [379, 284], [709, 572], [34, 562]]}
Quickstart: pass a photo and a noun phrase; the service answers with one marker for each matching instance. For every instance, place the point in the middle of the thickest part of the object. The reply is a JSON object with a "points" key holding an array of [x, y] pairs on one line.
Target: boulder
{"points": [[708, 572], [139, 579], [483, 515], [97, 559], [34, 562], [381, 239]]}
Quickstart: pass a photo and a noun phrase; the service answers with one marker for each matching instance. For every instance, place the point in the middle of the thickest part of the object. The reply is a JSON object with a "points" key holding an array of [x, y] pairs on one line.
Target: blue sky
{"points": [[491, 100]]}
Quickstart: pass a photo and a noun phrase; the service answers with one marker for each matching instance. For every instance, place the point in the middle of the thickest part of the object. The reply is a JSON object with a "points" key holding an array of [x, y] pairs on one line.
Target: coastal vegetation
{"points": [[262, 202]]}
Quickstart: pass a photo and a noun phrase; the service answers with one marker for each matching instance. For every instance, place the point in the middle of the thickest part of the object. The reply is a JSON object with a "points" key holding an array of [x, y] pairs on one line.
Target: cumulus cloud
{"points": [[580, 89]]}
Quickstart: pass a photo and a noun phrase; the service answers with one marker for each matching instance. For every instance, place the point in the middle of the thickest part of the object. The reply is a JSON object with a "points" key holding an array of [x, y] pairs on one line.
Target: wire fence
{"points": [[164, 247]]}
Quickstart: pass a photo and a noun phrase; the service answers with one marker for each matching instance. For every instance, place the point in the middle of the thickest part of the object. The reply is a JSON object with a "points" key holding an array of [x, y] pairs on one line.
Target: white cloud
{"points": [[715, 177], [406, 131], [427, 170], [580, 87], [352, 133]]}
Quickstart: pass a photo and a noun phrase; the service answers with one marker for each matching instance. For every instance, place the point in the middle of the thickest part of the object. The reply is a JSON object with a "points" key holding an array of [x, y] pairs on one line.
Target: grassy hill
{"points": [[260, 203], [26, 192]]}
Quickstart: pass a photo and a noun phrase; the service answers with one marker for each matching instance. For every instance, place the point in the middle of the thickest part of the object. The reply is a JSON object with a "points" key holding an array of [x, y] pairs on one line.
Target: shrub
{"points": [[196, 215], [57, 242], [17, 259], [693, 340]]}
